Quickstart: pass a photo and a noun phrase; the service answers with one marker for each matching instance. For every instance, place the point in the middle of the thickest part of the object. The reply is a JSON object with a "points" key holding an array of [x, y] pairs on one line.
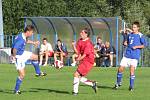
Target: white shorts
{"points": [[21, 59], [127, 62]]}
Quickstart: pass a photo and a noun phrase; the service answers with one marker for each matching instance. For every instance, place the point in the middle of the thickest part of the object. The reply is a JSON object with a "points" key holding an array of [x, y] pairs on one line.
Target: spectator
{"points": [[45, 51], [60, 50], [107, 54], [97, 49], [74, 56]]}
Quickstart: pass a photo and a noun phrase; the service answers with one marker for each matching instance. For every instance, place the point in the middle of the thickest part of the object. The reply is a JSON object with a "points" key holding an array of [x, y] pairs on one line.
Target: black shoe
{"points": [[116, 86], [94, 86], [17, 92], [41, 74], [75, 94], [130, 89]]}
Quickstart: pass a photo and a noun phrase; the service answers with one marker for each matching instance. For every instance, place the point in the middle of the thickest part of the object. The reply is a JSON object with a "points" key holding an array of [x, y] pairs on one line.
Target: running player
{"points": [[85, 51]]}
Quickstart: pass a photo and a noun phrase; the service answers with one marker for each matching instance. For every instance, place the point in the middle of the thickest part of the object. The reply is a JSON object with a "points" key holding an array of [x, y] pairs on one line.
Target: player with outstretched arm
{"points": [[85, 51], [21, 56], [135, 42]]}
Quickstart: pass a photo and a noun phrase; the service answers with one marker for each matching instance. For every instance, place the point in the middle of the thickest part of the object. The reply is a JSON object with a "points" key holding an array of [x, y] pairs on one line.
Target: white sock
{"points": [[111, 63], [76, 84], [86, 81]]}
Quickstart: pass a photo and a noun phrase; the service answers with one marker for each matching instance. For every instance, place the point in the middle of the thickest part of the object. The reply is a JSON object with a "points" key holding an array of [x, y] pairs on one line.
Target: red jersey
{"points": [[86, 47]]}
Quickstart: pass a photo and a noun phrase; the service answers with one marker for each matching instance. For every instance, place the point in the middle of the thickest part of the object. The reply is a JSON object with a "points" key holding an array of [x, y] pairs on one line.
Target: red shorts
{"points": [[84, 68], [50, 54]]}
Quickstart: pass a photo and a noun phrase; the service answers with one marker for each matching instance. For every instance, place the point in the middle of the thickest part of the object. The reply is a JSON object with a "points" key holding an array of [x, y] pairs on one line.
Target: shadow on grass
{"points": [[51, 90], [105, 87], [98, 86], [12, 91], [7, 91]]}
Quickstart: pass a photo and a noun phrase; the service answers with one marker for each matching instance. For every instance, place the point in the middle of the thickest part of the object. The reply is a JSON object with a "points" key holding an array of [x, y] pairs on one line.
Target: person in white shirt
{"points": [[45, 50]]}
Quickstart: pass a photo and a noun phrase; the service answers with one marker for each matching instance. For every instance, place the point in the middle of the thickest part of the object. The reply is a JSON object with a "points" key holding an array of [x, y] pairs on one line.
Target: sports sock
{"points": [[132, 77], [18, 83], [119, 78], [86, 81], [76, 84], [35, 63]]}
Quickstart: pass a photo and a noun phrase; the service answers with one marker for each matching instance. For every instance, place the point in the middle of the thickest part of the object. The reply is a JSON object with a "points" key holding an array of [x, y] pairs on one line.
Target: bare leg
{"points": [[46, 58], [73, 58], [55, 56], [41, 59], [61, 57], [111, 59]]}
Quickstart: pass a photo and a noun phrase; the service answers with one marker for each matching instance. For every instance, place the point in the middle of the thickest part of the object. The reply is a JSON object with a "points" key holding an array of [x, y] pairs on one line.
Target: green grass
{"points": [[57, 85]]}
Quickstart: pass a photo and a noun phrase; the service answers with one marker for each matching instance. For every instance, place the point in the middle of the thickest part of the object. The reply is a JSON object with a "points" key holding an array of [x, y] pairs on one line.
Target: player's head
{"points": [[29, 29], [135, 26], [85, 33], [59, 42], [44, 41]]}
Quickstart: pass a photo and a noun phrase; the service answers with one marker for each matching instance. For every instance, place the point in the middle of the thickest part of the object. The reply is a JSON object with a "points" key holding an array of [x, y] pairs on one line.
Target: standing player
{"points": [[85, 51], [135, 42], [21, 56]]}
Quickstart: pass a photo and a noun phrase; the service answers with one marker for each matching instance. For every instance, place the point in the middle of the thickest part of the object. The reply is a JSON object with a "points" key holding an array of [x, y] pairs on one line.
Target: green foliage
{"points": [[130, 10]]}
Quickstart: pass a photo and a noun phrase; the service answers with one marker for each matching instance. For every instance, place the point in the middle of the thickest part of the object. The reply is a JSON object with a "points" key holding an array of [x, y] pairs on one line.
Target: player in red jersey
{"points": [[85, 51]]}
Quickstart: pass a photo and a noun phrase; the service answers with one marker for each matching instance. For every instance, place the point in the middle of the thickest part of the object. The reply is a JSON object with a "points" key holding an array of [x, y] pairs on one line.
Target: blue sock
{"points": [[18, 83], [36, 66], [119, 78], [132, 77]]}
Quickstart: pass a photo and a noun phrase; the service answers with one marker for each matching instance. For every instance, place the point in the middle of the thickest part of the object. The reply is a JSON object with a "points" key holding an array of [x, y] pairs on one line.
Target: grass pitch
{"points": [[57, 85]]}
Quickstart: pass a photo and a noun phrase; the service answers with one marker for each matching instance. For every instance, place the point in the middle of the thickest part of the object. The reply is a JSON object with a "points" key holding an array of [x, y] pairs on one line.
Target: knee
{"points": [[120, 69], [61, 54], [22, 76], [76, 74], [132, 71]]}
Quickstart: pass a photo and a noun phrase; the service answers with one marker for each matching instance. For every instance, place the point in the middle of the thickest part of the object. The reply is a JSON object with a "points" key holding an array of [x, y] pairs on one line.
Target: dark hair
{"points": [[136, 23], [87, 31], [59, 40], [29, 28], [45, 39]]}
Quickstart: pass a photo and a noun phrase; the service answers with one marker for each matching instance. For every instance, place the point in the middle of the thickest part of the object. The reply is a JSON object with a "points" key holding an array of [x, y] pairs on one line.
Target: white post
{"points": [[1, 27]]}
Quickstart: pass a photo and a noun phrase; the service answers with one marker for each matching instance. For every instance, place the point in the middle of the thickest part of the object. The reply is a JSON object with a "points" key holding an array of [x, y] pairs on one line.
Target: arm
{"points": [[74, 47], [81, 57], [143, 44], [13, 52], [127, 29], [139, 47], [33, 42], [13, 55]]}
